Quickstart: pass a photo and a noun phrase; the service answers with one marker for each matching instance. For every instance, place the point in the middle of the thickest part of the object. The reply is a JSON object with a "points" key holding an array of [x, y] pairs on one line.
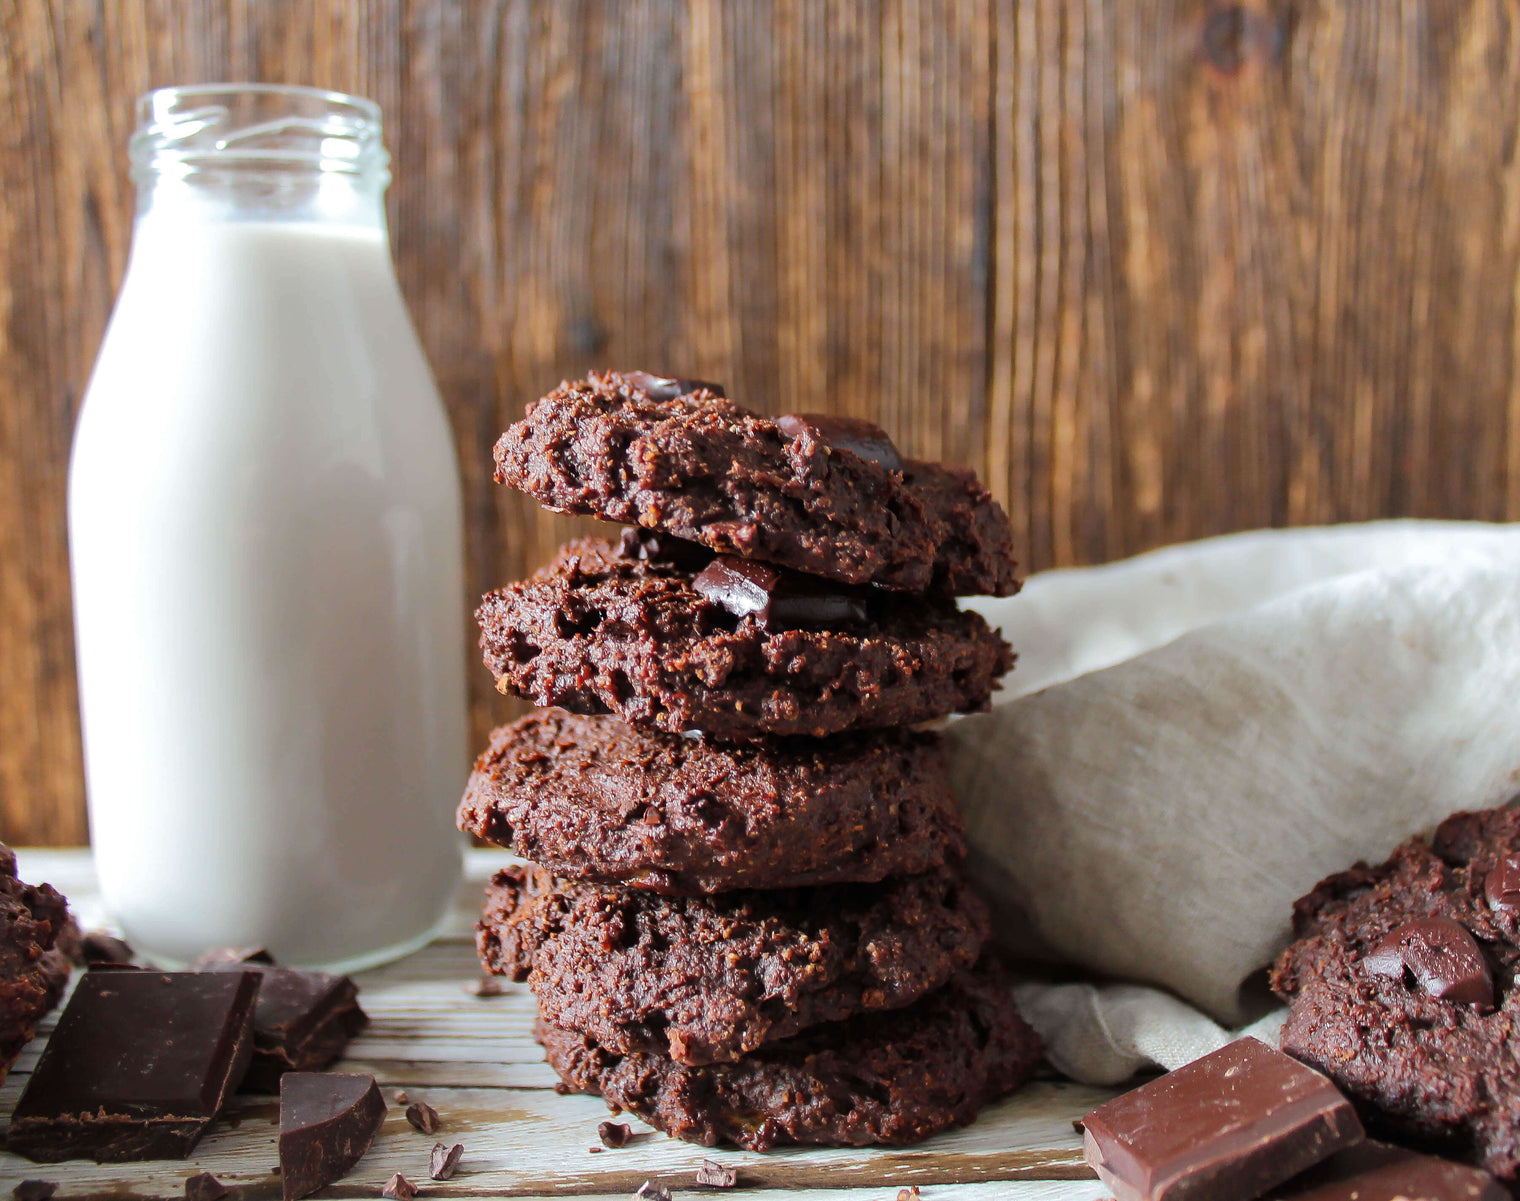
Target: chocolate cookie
{"points": [[829, 496], [33, 971], [894, 1077], [591, 797], [672, 644], [707, 979], [1402, 987]]}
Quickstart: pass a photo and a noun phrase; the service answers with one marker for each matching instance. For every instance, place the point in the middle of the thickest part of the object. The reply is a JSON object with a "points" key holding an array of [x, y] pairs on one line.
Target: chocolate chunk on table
{"points": [[327, 1122], [1375, 1171], [1230, 1126], [139, 1065]]}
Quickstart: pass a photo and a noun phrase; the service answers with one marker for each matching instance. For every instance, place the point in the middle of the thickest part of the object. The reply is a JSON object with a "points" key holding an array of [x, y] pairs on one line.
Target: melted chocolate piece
{"points": [[1442, 956], [1229, 1126], [660, 387], [1502, 885], [647, 545], [139, 1065], [327, 1122], [1381, 1172], [853, 434], [776, 597]]}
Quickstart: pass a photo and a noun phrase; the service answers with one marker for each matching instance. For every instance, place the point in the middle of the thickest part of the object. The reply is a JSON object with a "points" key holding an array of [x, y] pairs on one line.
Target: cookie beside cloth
{"points": [[1197, 736]]}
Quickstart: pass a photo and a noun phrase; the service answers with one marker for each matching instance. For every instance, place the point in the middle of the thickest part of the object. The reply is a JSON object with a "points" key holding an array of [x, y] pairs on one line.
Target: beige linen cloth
{"points": [[1195, 737]]}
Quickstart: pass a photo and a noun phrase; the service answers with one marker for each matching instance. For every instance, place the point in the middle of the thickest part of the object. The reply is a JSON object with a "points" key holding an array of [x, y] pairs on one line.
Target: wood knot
{"points": [[1236, 35]]}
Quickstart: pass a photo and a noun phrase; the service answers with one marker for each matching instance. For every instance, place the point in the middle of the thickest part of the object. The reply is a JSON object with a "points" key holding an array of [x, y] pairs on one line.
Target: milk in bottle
{"points": [[265, 536]]}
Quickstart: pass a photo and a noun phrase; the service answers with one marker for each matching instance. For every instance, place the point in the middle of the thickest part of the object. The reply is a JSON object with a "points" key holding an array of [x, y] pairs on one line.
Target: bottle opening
{"points": [[276, 127]]}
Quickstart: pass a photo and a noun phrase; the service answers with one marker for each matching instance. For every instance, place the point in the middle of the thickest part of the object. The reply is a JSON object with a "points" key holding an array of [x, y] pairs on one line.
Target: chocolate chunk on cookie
{"points": [[894, 1077], [594, 798], [825, 495], [34, 921], [1402, 982], [708, 979], [601, 631]]}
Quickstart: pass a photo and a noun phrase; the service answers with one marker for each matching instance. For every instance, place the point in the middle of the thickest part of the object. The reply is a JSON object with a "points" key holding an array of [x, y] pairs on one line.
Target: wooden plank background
{"points": [[1157, 269]]}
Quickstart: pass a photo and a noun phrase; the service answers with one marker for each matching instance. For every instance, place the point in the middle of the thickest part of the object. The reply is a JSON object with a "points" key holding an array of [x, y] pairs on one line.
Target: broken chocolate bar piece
{"points": [[423, 1117], [1230, 1125], [399, 1188], [1442, 956], [303, 1022], [203, 1186], [1381, 1172], [327, 1122], [138, 1067], [443, 1162], [100, 946]]}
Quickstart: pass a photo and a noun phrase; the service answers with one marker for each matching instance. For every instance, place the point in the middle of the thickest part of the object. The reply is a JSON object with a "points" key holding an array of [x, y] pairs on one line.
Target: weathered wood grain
{"points": [[474, 1060], [1158, 270]]}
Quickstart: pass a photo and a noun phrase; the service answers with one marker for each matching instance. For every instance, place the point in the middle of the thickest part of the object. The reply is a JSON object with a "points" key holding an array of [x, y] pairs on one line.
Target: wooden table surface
{"points": [[474, 1060]]}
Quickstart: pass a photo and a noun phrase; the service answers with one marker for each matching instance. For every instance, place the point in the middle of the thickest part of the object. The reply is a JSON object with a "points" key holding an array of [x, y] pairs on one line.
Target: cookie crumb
{"points": [[614, 1134], [423, 1117], [444, 1160], [399, 1188], [715, 1175]]}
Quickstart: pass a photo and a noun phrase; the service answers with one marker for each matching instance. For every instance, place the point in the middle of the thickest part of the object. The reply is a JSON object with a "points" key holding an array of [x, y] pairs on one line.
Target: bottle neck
{"points": [[235, 192], [258, 152]]}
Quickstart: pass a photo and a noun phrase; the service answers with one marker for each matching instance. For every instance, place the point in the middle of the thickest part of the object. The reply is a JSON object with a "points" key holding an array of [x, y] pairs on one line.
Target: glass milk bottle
{"points": [[265, 536]]}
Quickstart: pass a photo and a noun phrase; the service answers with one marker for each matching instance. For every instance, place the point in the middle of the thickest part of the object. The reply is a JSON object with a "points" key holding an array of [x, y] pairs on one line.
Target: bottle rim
{"points": [[185, 128]]}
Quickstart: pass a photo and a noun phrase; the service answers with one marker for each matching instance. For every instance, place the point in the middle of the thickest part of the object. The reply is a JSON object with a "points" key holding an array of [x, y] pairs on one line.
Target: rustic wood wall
{"points": [[1156, 269]]}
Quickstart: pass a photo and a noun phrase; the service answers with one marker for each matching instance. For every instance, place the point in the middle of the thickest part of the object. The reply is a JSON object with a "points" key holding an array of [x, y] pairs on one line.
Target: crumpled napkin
{"points": [[1194, 737]]}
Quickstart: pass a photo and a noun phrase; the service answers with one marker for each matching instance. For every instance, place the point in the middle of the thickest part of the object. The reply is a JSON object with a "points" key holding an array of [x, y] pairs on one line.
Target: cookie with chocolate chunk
{"points": [[708, 979], [594, 798], [894, 1077], [670, 638], [34, 919], [1402, 985], [825, 495]]}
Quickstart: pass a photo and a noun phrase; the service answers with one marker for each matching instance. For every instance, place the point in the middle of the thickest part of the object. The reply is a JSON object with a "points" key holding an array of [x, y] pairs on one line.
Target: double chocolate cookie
{"points": [[708, 979], [1402, 987], [891, 1077], [34, 919], [829, 496], [591, 797], [671, 639]]}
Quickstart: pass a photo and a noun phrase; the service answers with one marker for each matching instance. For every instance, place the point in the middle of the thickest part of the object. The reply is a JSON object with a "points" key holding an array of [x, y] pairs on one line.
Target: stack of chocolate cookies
{"points": [[745, 918]]}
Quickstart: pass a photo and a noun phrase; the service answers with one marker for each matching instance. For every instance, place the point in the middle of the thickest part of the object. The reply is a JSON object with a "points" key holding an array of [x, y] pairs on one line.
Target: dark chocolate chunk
{"points": [[98, 946], [138, 1066], [487, 986], [327, 1122], [652, 1190], [224, 957], [651, 546], [1230, 1125], [660, 387], [203, 1186], [778, 598], [399, 1096], [614, 1134], [422, 1116], [1442, 956], [853, 434], [712, 1174], [1502, 885], [1380, 1172], [908, 1194], [444, 1161], [399, 1188], [34, 1190], [303, 1022]]}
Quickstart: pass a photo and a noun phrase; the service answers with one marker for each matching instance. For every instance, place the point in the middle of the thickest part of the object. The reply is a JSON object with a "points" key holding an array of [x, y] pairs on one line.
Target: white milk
{"points": [[265, 531]]}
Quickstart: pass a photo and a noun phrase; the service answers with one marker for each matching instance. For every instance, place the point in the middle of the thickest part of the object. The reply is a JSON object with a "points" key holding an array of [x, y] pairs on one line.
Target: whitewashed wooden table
{"points": [[474, 1060]]}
